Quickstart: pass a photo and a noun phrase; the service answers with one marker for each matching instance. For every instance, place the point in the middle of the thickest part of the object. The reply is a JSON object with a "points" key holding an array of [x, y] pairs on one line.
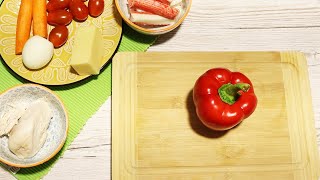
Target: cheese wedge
{"points": [[87, 52]]}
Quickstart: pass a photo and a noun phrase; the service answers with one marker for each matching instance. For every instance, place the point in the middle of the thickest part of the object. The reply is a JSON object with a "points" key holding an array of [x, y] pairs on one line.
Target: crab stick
{"points": [[164, 1], [175, 2], [145, 18], [154, 7]]}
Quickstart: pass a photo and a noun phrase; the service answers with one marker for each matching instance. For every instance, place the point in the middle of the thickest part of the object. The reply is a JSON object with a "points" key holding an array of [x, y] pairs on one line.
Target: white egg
{"points": [[37, 52]]}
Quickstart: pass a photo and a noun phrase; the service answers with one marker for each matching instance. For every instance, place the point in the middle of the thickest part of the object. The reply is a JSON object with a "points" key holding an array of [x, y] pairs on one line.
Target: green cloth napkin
{"points": [[82, 99]]}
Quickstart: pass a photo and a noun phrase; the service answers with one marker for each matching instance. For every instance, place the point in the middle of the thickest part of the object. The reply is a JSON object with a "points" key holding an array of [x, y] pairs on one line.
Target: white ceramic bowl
{"points": [[124, 12], [57, 130]]}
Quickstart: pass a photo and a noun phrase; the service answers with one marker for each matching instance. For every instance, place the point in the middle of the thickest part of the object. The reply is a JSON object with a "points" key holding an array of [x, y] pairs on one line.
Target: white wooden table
{"points": [[212, 25]]}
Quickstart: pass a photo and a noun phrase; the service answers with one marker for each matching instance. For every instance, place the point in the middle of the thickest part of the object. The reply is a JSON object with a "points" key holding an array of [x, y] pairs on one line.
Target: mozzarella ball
{"points": [[37, 52]]}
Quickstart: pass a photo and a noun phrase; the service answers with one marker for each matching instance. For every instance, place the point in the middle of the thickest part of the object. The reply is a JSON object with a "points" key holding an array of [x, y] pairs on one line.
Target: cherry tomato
{"points": [[59, 17], [57, 4], [95, 7], [79, 10], [58, 36]]}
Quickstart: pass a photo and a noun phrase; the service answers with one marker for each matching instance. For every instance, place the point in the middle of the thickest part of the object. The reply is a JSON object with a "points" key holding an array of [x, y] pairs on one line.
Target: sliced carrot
{"points": [[155, 7], [40, 18], [23, 24]]}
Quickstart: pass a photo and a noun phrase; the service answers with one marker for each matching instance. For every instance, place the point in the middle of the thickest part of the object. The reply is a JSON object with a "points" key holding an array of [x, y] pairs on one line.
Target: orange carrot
{"points": [[40, 18], [23, 24]]}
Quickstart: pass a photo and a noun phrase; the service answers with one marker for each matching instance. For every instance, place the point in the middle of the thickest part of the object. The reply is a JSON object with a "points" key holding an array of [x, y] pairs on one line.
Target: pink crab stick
{"points": [[164, 1], [154, 7]]}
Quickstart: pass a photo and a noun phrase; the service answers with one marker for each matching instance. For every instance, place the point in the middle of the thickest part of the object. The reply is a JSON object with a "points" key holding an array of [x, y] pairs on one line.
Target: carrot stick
{"points": [[40, 18], [23, 24]]}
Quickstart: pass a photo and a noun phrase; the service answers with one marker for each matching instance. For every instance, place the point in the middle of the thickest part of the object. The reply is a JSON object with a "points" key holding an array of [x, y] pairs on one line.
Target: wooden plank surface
{"points": [[212, 25]]}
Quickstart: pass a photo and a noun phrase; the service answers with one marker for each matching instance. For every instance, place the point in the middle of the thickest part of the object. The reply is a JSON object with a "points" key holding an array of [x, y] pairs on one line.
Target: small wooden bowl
{"points": [[57, 130], [123, 11]]}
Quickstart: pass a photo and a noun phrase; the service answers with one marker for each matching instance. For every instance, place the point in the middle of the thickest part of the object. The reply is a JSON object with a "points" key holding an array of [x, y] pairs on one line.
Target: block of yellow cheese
{"points": [[87, 52]]}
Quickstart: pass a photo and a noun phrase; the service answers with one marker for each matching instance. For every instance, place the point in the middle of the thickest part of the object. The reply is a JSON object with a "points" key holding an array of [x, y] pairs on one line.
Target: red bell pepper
{"points": [[223, 98]]}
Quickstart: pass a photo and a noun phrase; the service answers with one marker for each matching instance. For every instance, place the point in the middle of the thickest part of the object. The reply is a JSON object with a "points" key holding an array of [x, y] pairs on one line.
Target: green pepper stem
{"points": [[229, 93]]}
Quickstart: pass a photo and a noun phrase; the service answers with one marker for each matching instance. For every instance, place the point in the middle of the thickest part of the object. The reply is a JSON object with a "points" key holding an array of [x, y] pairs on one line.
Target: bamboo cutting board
{"points": [[156, 133]]}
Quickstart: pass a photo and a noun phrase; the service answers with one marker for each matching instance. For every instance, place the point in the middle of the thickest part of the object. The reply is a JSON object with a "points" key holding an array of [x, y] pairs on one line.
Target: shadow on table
{"points": [[133, 35], [165, 37]]}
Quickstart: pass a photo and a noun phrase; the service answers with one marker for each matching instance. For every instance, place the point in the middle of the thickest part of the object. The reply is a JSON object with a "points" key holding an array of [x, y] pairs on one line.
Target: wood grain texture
{"points": [[160, 135], [256, 25], [246, 25]]}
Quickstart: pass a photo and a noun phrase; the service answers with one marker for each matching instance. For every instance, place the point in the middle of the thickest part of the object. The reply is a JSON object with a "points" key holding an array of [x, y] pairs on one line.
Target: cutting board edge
{"points": [[129, 63], [299, 56], [299, 61]]}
